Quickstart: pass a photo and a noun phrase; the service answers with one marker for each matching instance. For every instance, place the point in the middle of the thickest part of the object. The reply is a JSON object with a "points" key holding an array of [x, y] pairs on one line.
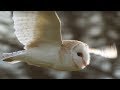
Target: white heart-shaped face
{"points": [[80, 55]]}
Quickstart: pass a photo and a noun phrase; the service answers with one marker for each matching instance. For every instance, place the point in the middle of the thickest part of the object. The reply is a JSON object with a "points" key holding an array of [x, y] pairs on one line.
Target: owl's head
{"points": [[79, 52]]}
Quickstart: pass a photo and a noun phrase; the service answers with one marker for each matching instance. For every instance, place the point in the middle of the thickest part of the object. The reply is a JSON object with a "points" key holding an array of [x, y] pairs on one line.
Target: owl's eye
{"points": [[80, 54]]}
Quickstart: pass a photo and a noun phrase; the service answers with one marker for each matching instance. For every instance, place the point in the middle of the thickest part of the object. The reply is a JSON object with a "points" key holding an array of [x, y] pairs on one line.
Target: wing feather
{"points": [[107, 52], [9, 57], [34, 27]]}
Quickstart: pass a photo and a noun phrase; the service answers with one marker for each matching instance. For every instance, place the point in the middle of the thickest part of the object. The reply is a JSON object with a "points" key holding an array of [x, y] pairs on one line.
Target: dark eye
{"points": [[80, 54]]}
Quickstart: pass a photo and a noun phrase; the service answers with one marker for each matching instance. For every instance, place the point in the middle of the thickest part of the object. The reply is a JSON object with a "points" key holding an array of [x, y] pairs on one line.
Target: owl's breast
{"points": [[65, 63], [44, 55], [49, 56]]}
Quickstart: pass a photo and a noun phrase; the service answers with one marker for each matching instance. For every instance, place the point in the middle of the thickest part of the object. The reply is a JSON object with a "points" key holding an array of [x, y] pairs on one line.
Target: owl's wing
{"points": [[35, 27], [107, 52], [12, 57]]}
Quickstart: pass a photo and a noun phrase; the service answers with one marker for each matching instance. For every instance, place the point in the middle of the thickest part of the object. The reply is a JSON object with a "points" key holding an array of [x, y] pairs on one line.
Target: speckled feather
{"points": [[33, 27]]}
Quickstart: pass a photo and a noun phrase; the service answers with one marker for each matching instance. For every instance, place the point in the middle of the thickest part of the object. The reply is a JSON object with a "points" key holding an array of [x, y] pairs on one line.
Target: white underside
{"points": [[48, 56]]}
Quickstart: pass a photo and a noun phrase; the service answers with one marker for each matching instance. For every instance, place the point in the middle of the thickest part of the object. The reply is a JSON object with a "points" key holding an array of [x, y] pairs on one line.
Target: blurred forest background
{"points": [[96, 28]]}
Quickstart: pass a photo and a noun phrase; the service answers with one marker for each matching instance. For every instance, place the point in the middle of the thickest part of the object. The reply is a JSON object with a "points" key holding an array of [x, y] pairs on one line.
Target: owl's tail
{"points": [[11, 57]]}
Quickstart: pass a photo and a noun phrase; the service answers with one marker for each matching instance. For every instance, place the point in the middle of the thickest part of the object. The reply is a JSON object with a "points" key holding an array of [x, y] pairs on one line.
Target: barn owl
{"points": [[40, 33]]}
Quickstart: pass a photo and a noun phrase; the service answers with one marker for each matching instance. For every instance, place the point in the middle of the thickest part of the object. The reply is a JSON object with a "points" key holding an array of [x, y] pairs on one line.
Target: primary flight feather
{"points": [[40, 33]]}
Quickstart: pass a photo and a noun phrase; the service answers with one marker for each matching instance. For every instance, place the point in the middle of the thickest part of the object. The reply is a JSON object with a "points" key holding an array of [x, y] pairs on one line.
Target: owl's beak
{"points": [[84, 62], [80, 63]]}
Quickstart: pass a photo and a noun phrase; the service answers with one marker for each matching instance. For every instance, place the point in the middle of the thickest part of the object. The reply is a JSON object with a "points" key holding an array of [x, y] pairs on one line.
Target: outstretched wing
{"points": [[12, 57], [35, 27], [108, 52]]}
